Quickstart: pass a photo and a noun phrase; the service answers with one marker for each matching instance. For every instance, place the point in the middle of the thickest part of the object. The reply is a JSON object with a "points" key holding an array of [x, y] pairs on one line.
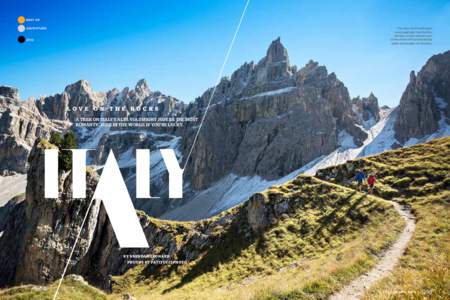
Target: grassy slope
{"points": [[420, 177], [70, 290], [330, 237]]}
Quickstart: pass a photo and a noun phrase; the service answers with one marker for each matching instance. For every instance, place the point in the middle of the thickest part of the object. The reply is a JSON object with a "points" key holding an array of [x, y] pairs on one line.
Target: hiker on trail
{"points": [[360, 176], [371, 182]]}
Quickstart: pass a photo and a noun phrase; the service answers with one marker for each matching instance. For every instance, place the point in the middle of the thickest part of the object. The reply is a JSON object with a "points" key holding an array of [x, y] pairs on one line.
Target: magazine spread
{"points": [[225, 149]]}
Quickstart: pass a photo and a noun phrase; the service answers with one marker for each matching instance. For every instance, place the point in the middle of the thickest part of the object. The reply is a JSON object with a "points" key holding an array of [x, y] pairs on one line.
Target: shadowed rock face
{"points": [[418, 112], [9, 92], [39, 234], [20, 125], [12, 229], [51, 225], [367, 110], [269, 119]]}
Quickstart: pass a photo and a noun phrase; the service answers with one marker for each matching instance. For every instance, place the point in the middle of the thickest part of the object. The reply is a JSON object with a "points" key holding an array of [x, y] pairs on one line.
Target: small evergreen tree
{"points": [[56, 139], [65, 156]]}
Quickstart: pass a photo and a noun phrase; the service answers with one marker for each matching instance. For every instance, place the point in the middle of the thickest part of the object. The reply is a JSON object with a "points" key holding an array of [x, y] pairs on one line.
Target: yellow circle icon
{"points": [[21, 19]]}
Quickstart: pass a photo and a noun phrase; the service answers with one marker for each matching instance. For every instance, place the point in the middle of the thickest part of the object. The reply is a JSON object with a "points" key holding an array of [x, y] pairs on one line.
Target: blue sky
{"points": [[179, 46]]}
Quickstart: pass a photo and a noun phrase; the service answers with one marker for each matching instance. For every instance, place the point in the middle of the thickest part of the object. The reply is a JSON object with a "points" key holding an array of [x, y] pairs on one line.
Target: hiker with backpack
{"points": [[371, 182], [360, 176]]}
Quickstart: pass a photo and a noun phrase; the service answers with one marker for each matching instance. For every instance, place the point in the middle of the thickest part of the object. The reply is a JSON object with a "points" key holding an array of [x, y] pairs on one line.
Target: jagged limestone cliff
{"points": [[425, 102], [269, 119]]}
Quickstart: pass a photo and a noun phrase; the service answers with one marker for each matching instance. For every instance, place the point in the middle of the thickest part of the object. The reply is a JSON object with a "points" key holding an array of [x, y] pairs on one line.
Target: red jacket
{"points": [[371, 180]]}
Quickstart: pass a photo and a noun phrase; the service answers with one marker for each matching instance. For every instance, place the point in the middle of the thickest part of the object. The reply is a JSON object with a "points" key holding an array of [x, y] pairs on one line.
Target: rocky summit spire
{"points": [[9, 92], [426, 100], [273, 67], [80, 87], [277, 52], [142, 88]]}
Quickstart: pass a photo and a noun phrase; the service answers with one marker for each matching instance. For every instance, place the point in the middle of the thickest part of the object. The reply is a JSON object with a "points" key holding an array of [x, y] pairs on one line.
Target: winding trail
{"points": [[389, 259]]}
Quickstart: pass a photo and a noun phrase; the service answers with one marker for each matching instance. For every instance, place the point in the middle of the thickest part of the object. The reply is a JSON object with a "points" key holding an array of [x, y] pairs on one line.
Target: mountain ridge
{"points": [[268, 121]]}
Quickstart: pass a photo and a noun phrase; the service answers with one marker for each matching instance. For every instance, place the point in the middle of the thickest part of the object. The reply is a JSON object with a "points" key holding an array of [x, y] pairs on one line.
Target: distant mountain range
{"points": [[267, 122]]}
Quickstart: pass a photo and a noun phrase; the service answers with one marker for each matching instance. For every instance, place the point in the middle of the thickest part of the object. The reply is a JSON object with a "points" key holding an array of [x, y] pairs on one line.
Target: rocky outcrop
{"points": [[157, 103], [9, 92], [256, 212], [12, 228], [425, 97], [37, 240], [77, 95], [22, 122], [367, 110], [20, 125], [52, 225], [269, 119]]}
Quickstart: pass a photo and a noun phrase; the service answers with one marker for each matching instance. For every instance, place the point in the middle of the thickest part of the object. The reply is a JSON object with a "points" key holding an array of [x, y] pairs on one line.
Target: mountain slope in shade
{"points": [[269, 119], [424, 106]]}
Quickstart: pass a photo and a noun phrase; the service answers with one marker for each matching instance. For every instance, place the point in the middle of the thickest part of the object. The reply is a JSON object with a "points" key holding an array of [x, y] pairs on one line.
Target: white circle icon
{"points": [[21, 28]]}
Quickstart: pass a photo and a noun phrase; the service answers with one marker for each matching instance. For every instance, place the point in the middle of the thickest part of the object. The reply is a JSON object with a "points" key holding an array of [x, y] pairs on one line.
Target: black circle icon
{"points": [[21, 39]]}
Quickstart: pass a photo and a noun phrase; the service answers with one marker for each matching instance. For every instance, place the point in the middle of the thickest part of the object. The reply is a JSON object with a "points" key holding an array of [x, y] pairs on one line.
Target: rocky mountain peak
{"points": [[312, 72], [277, 52], [436, 73], [21, 122], [112, 93], [79, 94], [273, 71], [311, 65], [366, 109], [9, 92], [80, 87], [412, 76], [142, 89], [259, 108], [426, 100]]}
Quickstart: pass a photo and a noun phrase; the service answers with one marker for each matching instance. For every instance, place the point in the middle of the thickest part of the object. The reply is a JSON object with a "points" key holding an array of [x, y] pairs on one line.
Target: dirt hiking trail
{"points": [[389, 259]]}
